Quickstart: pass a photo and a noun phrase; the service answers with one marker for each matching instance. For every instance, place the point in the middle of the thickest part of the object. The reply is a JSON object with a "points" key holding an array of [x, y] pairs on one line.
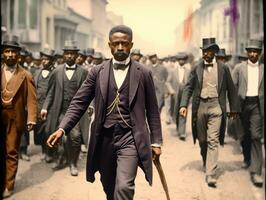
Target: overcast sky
{"points": [[153, 21]]}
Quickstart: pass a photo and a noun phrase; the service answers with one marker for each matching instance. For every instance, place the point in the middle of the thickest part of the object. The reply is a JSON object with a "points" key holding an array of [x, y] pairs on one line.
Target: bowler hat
{"points": [[181, 56], [136, 52], [10, 41], [24, 51], [58, 54], [242, 56], [83, 52], [90, 51], [254, 44], [48, 52], [70, 45], [208, 43], [97, 55], [152, 55]]}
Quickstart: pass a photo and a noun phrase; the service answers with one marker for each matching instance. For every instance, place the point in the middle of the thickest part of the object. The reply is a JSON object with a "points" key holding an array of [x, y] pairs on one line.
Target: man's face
{"points": [[221, 59], [208, 55], [28, 59], [181, 62], [97, 61], [89, 59], [136, 57], [37, 62], [154, 60], [253, 55], [120, 45], [70, 57], [46, 62], [10, 56], [80, 59]]}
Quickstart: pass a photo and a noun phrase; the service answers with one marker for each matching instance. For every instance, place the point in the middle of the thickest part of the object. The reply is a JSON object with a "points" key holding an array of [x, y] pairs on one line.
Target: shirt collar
{"points": [[213, 61], [73, 66], [125, 62], [253, 64]]}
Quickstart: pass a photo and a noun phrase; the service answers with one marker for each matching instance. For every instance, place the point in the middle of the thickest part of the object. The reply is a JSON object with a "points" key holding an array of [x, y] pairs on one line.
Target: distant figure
{"points": [[136, 55]]}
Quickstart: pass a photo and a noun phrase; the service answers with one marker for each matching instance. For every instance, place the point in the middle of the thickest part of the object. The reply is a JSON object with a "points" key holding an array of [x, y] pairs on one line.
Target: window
{"points": [[33, 14], [22, 13], [11, 17]]}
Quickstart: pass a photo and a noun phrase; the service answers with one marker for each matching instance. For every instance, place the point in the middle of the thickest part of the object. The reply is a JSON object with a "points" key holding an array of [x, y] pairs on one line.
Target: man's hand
{"points": [[156, 152], [54, 138], [43, 114], [183, 111], [30, 126]]}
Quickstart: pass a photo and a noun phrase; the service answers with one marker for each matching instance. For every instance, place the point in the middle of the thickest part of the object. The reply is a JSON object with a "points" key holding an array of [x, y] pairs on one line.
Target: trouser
{"points": [[168, 109], [180, 120], [251, 144], [24, 142], [118, 163], [12, 142], [209, 120]]}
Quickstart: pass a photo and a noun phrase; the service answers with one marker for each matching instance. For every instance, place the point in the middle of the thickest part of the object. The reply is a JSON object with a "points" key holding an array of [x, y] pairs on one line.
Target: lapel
{"points": [[220, 75], [79, 75], [104, 79], [245, 72], [36, 77], [199, 72], [133, 80], [261, 73], [61, 74]]}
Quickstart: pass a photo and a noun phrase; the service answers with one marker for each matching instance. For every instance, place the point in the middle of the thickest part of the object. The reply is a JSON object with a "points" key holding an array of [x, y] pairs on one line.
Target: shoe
{"points": [[245, 164], [48, 159], [25, 157], [7, 193], [211, 181], [182, 137], [256, 180], [57, 166], [83, 149], [73, 170]]}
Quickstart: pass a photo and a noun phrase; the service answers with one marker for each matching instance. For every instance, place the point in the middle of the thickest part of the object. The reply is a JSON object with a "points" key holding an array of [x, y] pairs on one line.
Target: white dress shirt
{"points": [[213, 63], [253, 79], [181, 72], [69, 73], [120, 74]]}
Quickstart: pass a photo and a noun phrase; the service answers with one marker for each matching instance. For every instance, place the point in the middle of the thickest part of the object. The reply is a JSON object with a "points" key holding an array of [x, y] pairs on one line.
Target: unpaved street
{"points": [[181, 162]]}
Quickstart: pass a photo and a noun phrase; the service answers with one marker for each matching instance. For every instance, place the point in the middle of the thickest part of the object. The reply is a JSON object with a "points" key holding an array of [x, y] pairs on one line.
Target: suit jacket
{"points": [[240, 78], [24, 100], [194, 86], [54, 99], [142, 105]]}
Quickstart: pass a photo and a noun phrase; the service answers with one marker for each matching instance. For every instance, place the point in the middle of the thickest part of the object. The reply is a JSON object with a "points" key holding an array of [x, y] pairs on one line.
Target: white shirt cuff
{"points": [[156, 145], [62, 130]]}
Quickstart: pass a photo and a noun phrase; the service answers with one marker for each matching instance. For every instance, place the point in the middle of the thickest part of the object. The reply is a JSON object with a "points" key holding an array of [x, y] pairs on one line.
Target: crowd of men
{"points": [[46, 90]]}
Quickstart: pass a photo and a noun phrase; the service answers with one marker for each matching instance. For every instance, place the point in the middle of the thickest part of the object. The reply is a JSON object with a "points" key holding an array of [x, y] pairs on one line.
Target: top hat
{"points": [[136, 52], [208, 43], [10, 41], [221, 53], [181, 56], [254, 44], [48, 52], [97, 55], [90, 51], [70, 45]]}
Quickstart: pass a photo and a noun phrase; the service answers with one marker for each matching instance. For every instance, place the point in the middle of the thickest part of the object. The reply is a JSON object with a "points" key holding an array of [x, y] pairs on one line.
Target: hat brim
{"points": [[182, 58], [41, 53], [211, 46], [4, 46], [70, 49], [253, 47]]}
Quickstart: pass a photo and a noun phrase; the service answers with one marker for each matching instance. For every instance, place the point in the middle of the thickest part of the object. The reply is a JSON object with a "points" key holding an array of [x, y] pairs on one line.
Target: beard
{"points": [[10, 62], [121, 56]]}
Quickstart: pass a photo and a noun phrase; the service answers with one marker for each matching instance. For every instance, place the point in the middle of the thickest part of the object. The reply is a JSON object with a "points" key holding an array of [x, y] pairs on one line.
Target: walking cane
{"points": [[157, 163]]}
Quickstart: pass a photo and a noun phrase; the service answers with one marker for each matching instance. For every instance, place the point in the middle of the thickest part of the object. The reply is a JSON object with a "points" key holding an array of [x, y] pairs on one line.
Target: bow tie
{"points": [[209, 65], [119, 66], [70, 68]]}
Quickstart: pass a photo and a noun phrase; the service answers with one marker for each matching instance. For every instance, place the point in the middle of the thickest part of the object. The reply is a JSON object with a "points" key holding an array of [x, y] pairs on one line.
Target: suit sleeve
{"points": [[152, 111], [232, 93], [50, 92], [31, 100], [79, 103], [188, 89]]}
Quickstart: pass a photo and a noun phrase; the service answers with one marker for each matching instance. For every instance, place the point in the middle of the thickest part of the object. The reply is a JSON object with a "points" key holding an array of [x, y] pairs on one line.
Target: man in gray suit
{"points": [[125, 101], [160, 74], [176, 81], [249, 80], [209, 81]]}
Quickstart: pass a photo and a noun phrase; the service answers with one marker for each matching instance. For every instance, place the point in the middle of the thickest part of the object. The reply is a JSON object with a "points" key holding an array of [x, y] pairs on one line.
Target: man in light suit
{"points": [[176, 81], [18, 92], [249, 80], [125, 101], [209, 81]]}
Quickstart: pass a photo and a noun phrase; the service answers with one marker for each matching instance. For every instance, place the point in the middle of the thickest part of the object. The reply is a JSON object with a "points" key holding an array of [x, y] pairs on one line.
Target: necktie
{"points": [[119, 66], [209, 65], [70, 68]]}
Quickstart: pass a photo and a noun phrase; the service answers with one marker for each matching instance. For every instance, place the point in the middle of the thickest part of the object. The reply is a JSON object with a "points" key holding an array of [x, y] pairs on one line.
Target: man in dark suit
{"points": [[18, 92], [209, 81], [160, 74], [125, 101], [41, 79], [65, 81], [249, 80]]}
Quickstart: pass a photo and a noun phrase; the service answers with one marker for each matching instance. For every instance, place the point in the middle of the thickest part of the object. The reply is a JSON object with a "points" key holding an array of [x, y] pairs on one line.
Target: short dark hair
{"points": [[121, 29]]}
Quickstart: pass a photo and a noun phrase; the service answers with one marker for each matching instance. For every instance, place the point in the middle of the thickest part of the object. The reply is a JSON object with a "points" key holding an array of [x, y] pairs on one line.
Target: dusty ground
{"points": [[181, 162]]}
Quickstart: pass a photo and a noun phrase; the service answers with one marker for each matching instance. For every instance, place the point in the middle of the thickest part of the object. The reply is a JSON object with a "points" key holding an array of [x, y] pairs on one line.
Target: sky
{"points": [[153, 21]]}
